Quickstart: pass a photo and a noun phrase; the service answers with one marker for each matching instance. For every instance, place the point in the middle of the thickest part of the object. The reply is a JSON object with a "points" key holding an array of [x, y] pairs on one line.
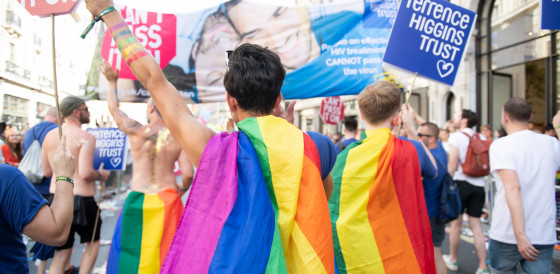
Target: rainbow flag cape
{"points": [[144, 232], [257, 205], [379, 218]]}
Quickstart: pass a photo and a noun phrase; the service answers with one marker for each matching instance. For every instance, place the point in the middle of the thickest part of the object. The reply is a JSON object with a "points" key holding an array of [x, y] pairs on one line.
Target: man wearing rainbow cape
{"points": [[257, 202], [379, 218]]}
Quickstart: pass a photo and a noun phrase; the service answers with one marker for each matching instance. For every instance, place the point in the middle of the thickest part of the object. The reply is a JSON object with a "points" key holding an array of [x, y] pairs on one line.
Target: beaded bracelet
{"points": [[95, 20], [64, 178]]}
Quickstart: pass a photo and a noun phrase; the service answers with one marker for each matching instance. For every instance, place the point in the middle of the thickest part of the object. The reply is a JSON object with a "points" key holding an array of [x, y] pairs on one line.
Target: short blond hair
{"points": [[379, 101]]}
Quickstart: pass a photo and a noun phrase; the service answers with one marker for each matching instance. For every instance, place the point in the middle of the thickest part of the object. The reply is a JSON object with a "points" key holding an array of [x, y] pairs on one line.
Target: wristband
{"points": [[95, 20], [557, 127], [64, 178], [100, 176]]}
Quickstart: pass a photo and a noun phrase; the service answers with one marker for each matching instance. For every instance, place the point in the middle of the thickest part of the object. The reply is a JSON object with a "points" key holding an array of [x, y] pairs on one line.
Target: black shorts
{"points": [[472, 198], [438, 231], [85, 229]]}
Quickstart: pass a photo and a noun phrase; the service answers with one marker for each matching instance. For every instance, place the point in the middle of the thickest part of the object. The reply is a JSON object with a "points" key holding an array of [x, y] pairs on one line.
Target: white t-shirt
{"points": [[536, 158], [461, 142]]}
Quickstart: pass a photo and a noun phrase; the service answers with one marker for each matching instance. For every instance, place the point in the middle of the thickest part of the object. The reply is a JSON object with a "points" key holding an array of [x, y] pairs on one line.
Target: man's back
{"points": [[78, 142], [460, 141], [535, 158], [154, 152]]}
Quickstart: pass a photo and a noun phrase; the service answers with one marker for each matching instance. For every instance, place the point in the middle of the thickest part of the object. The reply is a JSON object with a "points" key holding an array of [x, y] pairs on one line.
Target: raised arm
{"points": [[188, 131], [127, 125], [51, 225], [411, 132]]}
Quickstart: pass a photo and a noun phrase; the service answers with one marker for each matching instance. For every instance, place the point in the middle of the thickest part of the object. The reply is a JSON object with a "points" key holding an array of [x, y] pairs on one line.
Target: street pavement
{"points": [[468, 261]]}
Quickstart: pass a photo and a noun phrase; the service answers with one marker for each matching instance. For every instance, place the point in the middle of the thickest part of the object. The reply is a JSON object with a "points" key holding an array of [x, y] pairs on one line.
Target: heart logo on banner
{"points": [[115, 162], [444, 68]]}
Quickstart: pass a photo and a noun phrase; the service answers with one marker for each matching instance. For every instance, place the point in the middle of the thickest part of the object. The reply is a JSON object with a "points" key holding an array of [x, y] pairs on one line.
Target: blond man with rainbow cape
{"points": [[378, 212], [258, 202]]}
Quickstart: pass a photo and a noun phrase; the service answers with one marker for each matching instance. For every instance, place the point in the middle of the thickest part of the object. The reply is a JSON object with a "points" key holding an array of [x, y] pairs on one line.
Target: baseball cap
{"points": [[70, 103]]}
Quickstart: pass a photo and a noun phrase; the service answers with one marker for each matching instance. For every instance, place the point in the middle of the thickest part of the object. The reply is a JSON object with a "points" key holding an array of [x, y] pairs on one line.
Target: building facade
{"points": [[26, 62]]}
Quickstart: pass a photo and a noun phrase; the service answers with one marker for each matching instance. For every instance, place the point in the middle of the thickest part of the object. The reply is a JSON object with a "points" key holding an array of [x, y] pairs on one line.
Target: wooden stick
{"points": [[55, 82]]}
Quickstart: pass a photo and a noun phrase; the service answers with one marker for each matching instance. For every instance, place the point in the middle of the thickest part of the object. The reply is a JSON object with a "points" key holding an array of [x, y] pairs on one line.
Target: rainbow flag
{"points": [[144, 232], [257, 205], [379, 218]]}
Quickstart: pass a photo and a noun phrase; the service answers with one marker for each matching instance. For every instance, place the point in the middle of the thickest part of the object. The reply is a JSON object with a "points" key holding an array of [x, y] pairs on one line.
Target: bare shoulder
{"points": [[51, 139]]}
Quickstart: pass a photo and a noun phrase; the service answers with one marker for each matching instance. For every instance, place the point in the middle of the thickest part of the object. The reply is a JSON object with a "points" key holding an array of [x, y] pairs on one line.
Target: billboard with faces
{"points": [[326, 49]]}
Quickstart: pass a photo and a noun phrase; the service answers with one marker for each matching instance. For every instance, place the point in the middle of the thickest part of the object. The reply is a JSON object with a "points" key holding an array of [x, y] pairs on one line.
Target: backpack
{"points": [[450, 201], [477, 162], [30, 165]]}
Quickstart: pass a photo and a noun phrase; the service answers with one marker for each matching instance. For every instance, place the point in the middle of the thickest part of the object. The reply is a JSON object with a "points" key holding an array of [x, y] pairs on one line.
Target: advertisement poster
{"points": [[327, 49]]}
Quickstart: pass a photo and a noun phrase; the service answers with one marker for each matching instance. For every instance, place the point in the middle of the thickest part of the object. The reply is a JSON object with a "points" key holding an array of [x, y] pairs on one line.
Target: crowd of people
{"points": [[269, 197]]}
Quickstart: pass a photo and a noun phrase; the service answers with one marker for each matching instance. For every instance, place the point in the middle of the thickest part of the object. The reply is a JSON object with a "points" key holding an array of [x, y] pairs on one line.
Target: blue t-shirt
{"points": [[19, 202], [39, 132], [327, 152], [346, 143], [427, 169], [432, 187]]}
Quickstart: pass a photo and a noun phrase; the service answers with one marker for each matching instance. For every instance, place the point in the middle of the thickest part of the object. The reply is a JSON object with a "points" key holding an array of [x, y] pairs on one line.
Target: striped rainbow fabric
{"points": [[144, 232], [379, 219], [257, 205]]}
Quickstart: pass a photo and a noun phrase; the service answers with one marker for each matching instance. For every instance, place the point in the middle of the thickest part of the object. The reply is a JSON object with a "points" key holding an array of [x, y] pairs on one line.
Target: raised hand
{"points": [[279, 112], [64, 163], [109, 72]]}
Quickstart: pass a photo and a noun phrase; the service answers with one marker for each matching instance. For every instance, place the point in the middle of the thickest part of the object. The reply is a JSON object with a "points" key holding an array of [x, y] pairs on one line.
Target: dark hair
{"points": [[254, 78], [472, 118], [379, 101], [518, 109], [350, 124], [432, 129], [502, 132]]}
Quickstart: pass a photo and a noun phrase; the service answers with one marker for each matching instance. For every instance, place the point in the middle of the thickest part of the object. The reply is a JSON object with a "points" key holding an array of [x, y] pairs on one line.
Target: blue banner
{"points": [[429, 38], [326, 49], [110, 148], [550, 14]]}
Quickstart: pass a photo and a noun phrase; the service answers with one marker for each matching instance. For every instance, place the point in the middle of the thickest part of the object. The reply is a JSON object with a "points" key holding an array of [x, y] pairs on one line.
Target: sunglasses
{"points": [[86, 109], [229, 52], [423, 135]]}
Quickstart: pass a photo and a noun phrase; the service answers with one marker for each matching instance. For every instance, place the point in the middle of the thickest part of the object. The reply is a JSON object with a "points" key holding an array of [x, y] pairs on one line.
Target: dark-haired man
{"points": [[350, 133], [428, 133], [81, 145], [471, 190], [282, 161], [524, 164]]}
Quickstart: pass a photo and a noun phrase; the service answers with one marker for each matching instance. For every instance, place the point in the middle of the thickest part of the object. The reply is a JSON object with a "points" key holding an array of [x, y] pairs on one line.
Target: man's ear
{"points": [[231, 102], [395, 120], [278, 100]]}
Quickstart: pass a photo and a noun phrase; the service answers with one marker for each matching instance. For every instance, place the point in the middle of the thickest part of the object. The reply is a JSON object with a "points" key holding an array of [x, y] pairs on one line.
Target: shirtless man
{"points": [[82, 146], [154, 152]]}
